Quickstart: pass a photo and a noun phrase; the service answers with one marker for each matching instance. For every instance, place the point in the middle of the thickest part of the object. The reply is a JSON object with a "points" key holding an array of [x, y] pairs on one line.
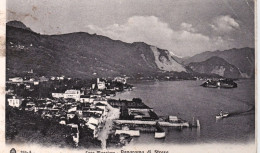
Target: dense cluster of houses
{"points": [[72, 108]]}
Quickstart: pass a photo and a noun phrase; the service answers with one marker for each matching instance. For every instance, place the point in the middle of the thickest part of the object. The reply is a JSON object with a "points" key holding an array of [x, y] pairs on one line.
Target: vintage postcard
{"points": [[128, 76]]}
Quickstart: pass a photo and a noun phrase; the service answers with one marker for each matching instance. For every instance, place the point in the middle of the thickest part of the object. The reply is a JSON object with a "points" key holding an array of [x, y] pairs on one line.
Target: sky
{"points": [[184, 27]]}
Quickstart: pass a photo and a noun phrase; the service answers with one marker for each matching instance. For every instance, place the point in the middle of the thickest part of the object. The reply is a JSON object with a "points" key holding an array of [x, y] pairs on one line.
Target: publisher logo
{"points": [[12, 150]]}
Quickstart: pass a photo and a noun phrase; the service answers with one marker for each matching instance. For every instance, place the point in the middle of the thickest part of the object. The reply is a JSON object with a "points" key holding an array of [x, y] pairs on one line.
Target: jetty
{"points": [[129, 132], [162, 123]]}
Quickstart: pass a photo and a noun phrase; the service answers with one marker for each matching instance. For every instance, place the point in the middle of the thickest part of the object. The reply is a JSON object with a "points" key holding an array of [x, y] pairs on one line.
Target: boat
{"points": [[221, 115], [159, 133], [195, 124]]}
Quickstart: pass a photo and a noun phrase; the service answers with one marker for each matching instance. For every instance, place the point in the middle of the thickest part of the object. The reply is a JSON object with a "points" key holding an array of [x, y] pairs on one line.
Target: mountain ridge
{"points": [[216, 65], [90, 55], [82, 54], [242, 58]]}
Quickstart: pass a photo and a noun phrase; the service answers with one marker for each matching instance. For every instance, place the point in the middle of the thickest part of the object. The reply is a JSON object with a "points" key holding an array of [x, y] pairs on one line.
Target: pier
{"points": [[162, 123]]}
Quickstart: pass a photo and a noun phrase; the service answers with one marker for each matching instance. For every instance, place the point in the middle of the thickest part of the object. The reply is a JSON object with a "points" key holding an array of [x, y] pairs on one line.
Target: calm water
{"points": [[186, 99]]}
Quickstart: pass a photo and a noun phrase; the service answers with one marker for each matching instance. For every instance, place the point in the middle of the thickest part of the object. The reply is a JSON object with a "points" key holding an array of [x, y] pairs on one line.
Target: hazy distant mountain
{"points": [[243, 59], [82, 55], [216, 65]]}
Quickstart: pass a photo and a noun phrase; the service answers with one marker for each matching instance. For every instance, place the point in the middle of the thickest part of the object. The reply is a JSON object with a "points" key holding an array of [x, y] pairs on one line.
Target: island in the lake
{"points": [[222, 83]]}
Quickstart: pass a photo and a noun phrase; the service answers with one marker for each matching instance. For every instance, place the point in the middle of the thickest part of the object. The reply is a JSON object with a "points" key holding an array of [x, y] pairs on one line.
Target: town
{"points": [[84, 111], [74, 103]]}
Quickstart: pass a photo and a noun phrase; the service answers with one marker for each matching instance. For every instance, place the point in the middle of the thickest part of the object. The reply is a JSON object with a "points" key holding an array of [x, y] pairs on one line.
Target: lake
{"points": [[187, 99]]}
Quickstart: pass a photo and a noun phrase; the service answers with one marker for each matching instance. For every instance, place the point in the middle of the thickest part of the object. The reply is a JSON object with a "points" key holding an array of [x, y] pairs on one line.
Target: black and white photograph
{"points": [[130, 76]]}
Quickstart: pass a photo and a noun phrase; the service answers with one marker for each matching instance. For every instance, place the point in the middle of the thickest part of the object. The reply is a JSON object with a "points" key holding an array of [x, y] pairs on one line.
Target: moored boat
{"points": [[160, 133], [221, 115]]}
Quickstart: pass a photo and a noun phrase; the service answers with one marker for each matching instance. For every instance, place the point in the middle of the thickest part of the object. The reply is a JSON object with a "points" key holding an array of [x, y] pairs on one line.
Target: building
{"points": [[120, 79], [79, 113], [53, 78], [100, 100], [57, 95], [93, 120], [70, 115], [72, 109], [101, 85], [43, 79], [61, 78], [75, 133], [95, 110], [27, 86], [173, 118], [16, 79], [63, 121], [15, 101], [94, 128], [73, 94], [36, 83], [101, 106], [86, 99], [93, 86]]}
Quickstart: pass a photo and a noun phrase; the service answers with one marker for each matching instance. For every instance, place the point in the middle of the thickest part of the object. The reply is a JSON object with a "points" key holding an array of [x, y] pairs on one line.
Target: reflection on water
{"points": [[186, 99]]}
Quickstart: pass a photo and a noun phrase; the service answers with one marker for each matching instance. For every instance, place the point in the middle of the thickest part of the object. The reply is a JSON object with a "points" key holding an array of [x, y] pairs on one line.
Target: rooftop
{"points": [[72, 91]]}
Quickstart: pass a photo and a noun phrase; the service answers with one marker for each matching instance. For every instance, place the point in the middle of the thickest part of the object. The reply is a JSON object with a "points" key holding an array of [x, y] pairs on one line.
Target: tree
{"points": [[74, 120]]}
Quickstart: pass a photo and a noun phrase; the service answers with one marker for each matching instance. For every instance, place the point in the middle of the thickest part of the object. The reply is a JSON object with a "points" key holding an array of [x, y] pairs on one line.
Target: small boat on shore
{"points": [[221, 115]]}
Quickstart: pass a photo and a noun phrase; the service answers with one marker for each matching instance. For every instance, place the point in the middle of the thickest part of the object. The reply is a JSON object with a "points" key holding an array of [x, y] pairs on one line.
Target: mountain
{"points": [[18, 24], [243, 59], [216, 65], [82, 55]]}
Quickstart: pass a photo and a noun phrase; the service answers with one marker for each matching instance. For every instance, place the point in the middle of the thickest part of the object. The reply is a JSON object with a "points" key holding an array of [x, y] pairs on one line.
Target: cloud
{"points": [[149, 29], [137, 28], [224, 24], [187, 27]]}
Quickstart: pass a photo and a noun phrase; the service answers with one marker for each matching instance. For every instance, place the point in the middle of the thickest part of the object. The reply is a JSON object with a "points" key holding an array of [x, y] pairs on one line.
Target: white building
{"points": [[100, 100], [101, 106], [173, 118], [27, 86], [57, 95], [15, 101], [79, 112], [120, 79], [86, 99], [70, 115], [74, 94], [43, 79], [101, 85], [53, 78], [16, 79], [63, 122], [93, 120], [60, 78], [72, 109], [36, 83], [93, 86], [96, 110]]}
